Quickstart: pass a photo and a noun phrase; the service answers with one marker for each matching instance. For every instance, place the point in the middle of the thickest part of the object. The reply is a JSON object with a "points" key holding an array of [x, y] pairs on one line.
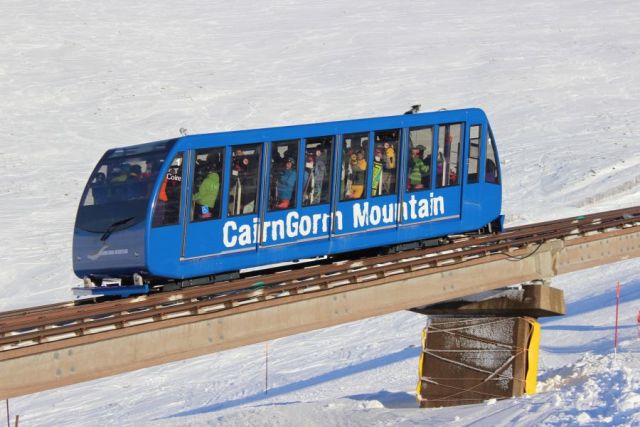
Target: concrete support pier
{"points": [[484, 347]]}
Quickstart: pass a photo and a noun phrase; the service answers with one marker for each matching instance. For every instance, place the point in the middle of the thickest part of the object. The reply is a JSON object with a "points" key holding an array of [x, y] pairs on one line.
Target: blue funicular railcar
{"points": [[202, 206]]}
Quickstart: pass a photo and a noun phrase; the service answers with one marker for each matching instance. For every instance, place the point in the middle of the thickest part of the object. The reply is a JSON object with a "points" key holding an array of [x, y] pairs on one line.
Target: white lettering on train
{"points": [[363, 215], [295, 225]]}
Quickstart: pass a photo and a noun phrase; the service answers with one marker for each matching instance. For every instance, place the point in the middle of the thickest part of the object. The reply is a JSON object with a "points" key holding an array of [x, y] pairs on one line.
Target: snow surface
{"points": [[560, 82]]}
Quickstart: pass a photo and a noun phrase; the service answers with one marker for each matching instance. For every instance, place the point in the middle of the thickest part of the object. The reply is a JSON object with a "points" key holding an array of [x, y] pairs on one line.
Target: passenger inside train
{"points": [[206, 188], [243, 188], [317, 178], [283, 175], [354, 167]]}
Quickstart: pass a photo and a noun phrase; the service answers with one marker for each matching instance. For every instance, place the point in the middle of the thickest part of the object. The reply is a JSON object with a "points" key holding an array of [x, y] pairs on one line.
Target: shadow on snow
{"points": [[388, 399], [389, 359]]}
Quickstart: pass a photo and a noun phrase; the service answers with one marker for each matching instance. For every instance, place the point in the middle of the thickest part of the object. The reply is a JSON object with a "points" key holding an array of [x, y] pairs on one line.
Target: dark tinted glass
{"points": [[244, 183], [354, 166], [207, 184], [317, 170], [117, 193]]}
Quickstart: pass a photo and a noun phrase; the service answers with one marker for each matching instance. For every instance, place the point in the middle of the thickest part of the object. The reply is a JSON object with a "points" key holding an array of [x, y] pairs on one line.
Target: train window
{"points": [[167, 210], [98, 191], [207, 176], [473, 161], [384, 175], [121, 179], [244, 181], [491, 173], [419, 160], [449, 137], [283, 175], [354, 166], [317, 170]]}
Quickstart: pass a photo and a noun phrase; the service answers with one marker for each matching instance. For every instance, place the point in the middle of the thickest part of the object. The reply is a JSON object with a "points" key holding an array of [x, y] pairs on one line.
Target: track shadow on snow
{"points": [[389, 359]]}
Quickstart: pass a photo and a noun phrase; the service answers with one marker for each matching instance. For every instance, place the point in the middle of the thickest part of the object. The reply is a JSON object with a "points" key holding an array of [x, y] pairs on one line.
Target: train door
{"points": [[351, 206], [204, 219], [385, 186], [472, 197], [313, 217], [367, 196], [280, 216], [241, 228], [165, 239], [433, 189], [298, 190]]}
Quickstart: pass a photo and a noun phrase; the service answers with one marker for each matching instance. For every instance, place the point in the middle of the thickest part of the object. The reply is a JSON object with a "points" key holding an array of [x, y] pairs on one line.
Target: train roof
{"points": [[280, 133]]}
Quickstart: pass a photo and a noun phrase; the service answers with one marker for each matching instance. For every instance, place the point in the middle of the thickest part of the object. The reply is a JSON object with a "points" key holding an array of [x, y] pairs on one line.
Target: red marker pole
{"points": [[615, 340], [638, 320]]}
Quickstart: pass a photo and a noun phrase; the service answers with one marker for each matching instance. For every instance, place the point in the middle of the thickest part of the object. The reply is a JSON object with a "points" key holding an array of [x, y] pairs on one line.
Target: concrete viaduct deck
{"points": [[82, 358]]}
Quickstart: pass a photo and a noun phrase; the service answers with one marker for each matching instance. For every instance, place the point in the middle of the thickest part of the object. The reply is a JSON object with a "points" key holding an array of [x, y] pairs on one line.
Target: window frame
{"points": [[260, 151], [154, 224], [367, 155], [221, 173], [328, 173], [294, 197], [398, 148], [461, 140], [430, 185], [490, 142], [479, 152]]}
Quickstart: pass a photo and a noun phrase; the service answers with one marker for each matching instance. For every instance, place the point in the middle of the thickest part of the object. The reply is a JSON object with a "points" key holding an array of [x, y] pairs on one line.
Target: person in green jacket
{"points": [[417, 169], [207, 195]]}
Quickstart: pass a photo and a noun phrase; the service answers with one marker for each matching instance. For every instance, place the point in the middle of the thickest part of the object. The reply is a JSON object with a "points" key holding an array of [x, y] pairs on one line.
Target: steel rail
{"points": [[125, 304], [527, 230], [35, 312]]}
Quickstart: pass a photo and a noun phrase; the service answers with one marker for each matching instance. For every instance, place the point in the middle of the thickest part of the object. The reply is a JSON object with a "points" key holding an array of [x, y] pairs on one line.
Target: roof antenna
{"points": [[183, 131], [414, 109]]}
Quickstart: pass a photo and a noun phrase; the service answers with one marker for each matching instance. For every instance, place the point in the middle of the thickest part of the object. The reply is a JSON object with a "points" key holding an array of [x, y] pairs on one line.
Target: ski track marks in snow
{"points": [[605, 183]]}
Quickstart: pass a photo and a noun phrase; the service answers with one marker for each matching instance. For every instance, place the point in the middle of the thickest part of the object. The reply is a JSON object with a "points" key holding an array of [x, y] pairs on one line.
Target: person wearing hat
{"points": [[207, 196], [120, 173], [359, 171], [286, 183]]}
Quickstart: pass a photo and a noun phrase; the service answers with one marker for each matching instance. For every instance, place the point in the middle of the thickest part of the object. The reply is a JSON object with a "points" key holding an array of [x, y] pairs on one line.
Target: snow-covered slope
{"points": [[560, 82]]}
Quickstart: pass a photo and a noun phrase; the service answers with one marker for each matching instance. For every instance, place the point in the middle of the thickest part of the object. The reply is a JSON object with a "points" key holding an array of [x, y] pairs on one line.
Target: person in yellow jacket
{"points": [[359, 173], [389, 170]]}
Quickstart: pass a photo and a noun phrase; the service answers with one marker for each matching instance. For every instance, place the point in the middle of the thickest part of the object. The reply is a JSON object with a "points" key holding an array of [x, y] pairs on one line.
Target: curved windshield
{"points": [[118, 191]]}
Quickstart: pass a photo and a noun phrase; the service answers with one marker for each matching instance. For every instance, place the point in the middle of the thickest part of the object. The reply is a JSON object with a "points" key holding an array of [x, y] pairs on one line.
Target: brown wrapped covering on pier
{"points": [[469, 360]]}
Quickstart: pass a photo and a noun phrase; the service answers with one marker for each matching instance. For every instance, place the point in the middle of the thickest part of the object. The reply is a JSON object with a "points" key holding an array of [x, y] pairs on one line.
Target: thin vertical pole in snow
{"points": [[266, 367], [615, 339], [8, 418]]}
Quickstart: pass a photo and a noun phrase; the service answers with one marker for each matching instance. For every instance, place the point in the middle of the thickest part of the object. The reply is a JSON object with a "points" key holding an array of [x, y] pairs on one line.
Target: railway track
{"points": [[27, 328]]}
